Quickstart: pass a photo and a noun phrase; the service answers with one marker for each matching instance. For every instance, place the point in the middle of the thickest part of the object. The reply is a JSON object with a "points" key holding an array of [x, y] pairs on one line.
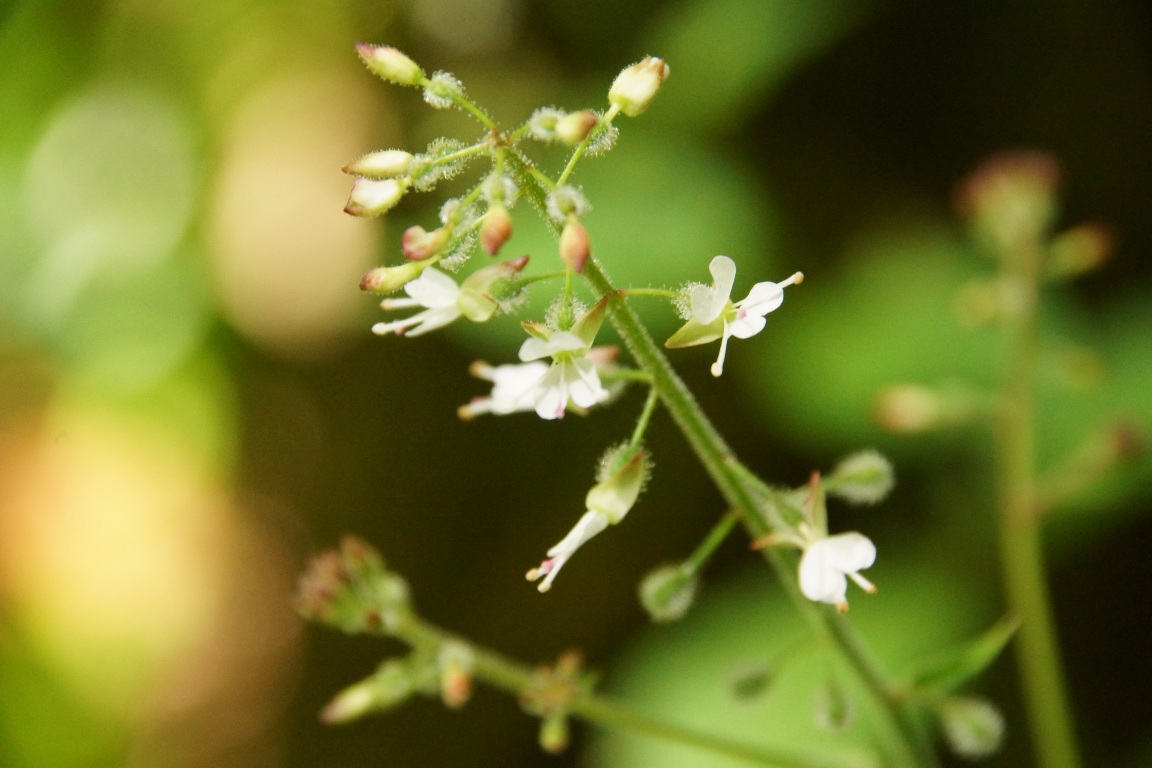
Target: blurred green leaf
{"points": [[947, 672]]}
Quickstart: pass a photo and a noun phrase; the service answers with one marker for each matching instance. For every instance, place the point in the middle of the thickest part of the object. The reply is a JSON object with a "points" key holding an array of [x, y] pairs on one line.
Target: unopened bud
{"points": [[972, 727], [390, 279], [391, 685], [1011, 199], [554, 733], [418, 245], [636, 86], [574, 247], [384, 164], [623, 472], [475, 300], [373, 197], [667, 592], [862, 478], [455, 662], [392, 65], [833, 708], [908, 408], [575, 127], [1078, 250], [496, 229]]}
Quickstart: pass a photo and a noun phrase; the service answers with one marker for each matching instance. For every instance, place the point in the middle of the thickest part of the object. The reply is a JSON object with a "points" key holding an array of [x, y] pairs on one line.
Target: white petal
{"points": [[849, 552], [433, 289], [534, 349], [762, 299], [708, 303], [551, 394], [820, 580], [563, 341], [745, 327], [431, 319], [584, 383], [514, 385], [590, 524]]}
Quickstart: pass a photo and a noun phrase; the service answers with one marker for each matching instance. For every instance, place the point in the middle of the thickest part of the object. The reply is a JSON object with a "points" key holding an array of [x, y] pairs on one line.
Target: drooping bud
{"points": [[554, 733], [384, 164], [623, 472], [496, 229], [392, 65], [667, 592], [972, 727], [575, 127], [574, 247], [373, 197], [862, 478], [418, 244], [455, 662], [476, 300], [391, 279], [635, 87], [833, 708]]}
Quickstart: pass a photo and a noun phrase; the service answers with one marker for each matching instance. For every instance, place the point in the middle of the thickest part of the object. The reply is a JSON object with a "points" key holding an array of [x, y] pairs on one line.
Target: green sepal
{"points": [[948, 671], [476, 306], [694, 333], [536, 330], [589, 323]]}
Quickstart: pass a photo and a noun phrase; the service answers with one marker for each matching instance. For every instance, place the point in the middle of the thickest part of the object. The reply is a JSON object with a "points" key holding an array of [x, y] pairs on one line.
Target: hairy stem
{"points": [[906, 743]]}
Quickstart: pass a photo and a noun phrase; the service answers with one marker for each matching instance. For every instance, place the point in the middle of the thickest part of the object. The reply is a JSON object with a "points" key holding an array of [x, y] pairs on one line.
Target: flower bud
{"points": [[418, 245], [372, 197], [635, 87], [391, 685], [455, 663], [574, 247], [390, 279], [575, 127], [972, 727], [667, 592], [833, 708], [554, 733], [1010, 200], [623, 473], [496, 229], [392, 65], [1078, 250], [862, 478], [384, 164]]}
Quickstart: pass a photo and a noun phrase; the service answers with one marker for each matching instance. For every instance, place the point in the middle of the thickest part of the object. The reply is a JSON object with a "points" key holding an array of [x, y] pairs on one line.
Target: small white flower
{"points": [[590, 524], [828, 563], [513, 388], [571, 378], [434, 291], [715, 316]]}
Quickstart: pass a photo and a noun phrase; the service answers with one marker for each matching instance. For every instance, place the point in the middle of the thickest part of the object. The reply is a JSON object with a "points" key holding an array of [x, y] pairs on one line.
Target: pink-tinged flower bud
{"points": [[635, 87], [391, 279], [385, 164], [1078, 250], [419, 245], [392, 65], [373, 197], [496, 230], [574, 248], [574, 128]]}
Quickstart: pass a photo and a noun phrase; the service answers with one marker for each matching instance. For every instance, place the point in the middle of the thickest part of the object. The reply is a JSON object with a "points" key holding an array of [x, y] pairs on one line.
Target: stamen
{"points": [[796, 279], [864, 584], [842, 606], [718, 366]]}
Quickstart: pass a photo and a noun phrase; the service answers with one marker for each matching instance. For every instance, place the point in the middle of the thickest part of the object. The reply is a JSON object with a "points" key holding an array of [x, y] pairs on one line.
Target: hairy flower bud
{"points": [[390, 279], [667, 592], [972, 727], [862, 478], [635, 87], [418, 245], [373, 197], [574, 247], [496, 229], [383, 164], [624, 471], [575, 127], [392, 65]]}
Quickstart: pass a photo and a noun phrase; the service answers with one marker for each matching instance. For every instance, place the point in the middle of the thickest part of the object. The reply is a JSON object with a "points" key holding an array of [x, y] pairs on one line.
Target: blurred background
{"points": [[191, 402]]}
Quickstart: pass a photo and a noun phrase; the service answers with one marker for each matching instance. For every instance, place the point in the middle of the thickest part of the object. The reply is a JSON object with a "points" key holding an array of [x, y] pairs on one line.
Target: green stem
{"points": [[645, 417], [711, 542], [906, 743], [605, 124], [661, 292], [1021, 551], [516, 678]]}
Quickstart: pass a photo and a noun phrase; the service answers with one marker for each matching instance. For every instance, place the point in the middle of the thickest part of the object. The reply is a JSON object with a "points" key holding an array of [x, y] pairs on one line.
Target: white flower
{"points": [[715, 316], [590, 524], [571, 378], [434, 291], [513, 388], [828, 563]]}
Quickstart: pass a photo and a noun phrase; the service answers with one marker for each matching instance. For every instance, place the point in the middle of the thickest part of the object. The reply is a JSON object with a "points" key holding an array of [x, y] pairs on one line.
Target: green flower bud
{"points": [[668, 592], [623, 473], [391, 279], [392, 65], [575, 127], [862, 478], [636, 86], [391, 685], [972, 727]]}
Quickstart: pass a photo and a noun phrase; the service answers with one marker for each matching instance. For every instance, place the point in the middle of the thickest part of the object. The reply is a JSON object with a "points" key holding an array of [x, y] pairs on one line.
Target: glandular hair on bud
{"points": [[636, 86], [862, 478], [972, 727], [389, 63], [667, 592]]}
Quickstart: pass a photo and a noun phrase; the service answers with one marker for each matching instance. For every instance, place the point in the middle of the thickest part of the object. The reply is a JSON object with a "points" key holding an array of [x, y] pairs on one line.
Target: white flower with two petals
{"points": [[436, 293], [827, 564], [513, 388], [713, 315], [572, 377], [590, 524]]}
